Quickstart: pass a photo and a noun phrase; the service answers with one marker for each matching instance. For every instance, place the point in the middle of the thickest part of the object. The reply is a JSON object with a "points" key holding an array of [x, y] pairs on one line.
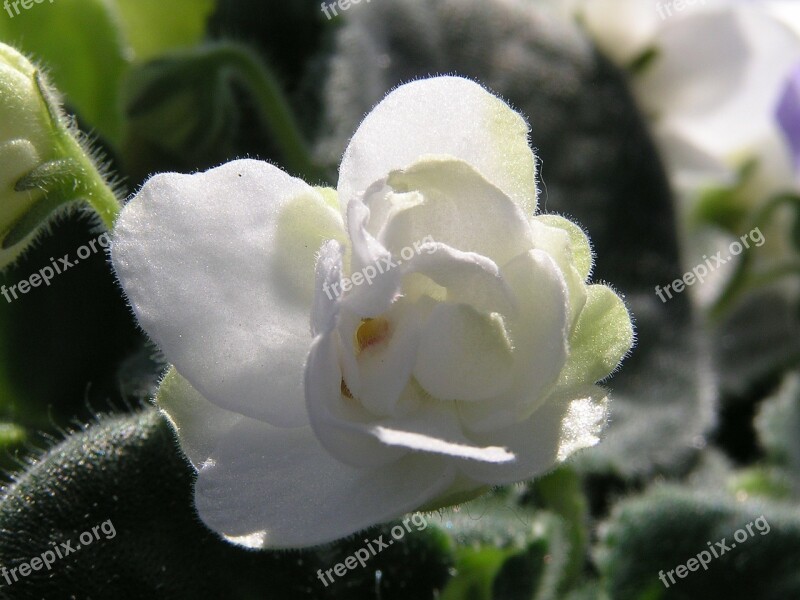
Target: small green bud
{"points": [[43, 166], [25, 140]]}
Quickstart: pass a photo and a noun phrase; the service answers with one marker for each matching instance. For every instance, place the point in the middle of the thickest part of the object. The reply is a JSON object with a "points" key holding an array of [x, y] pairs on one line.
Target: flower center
{"points": [[371, 332]]}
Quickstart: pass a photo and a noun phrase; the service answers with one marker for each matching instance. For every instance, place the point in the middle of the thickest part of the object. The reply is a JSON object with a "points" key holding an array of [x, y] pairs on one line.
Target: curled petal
{"points": [[463, 277], [464, 354], [458, 207], [368, 253], [436, 431], [442, 116], [538, 332]]}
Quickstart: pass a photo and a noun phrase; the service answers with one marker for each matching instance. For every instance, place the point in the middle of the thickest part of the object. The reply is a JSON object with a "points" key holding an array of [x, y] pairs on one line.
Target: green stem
{"points": [[88, 182], [274, 110], [93, 184], [742, 279]]}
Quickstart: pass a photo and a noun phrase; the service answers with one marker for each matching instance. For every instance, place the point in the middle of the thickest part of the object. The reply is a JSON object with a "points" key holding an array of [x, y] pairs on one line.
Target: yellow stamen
{"points": [[371, 332]]}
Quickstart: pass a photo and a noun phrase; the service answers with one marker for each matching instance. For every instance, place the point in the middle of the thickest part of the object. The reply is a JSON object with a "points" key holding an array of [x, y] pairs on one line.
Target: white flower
{"points": [[467, 363], [712, 84], [622, 29], [714, 104]]}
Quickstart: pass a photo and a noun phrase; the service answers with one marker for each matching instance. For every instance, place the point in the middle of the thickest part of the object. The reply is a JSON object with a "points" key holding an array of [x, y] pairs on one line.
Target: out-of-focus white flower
{"points": [[463, 353], [622, 29], [712, 82], [717, 100]]}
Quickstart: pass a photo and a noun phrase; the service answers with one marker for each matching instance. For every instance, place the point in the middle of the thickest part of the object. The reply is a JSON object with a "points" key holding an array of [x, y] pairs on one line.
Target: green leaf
{"points": [[644, 60], [728, 206], [475, 573], [603, 334], [579, 242], [771, 483], [668, 526], [153, 27], [85, 55], [504, 551], [62, 181], [778, 424], [186, 109], [180, 107], [560, 492], [756, 339], [12, 440]]}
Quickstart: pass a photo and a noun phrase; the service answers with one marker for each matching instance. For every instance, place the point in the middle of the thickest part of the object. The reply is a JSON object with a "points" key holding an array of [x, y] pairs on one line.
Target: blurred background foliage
{"points": [[706, 412]]}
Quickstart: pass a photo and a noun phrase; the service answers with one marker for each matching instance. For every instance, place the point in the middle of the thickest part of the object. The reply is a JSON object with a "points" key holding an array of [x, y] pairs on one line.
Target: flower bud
{"points": [[26, 141], [43, 165]]}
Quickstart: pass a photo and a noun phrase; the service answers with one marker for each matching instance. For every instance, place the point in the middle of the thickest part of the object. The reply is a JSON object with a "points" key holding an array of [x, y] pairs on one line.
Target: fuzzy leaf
{"points": [[667, 527]]}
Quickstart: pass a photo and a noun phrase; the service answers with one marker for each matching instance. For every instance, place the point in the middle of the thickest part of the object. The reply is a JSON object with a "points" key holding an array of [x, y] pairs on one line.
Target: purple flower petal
{"points": [[788, 114]]}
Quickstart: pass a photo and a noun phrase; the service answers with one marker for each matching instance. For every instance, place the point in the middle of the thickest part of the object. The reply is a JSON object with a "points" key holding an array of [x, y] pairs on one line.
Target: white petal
{"points": [[435, 428], [720, 97], [199, 424], [465, 277], [326, 301], [278, 488], [220, 274], [560, 427], [464, 354], [538, 331], [443, 116], [557, 243], [786, 11], [341, 424], [580, 248], [622, 28], [689, 74], [436, 445], [368, 253], [585, 419], [690, 168], [384, 369], [459, 208]]}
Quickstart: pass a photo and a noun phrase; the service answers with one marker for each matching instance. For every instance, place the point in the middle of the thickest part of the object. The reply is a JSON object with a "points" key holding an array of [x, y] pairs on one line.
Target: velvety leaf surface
{"points": [[669, 526]]}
